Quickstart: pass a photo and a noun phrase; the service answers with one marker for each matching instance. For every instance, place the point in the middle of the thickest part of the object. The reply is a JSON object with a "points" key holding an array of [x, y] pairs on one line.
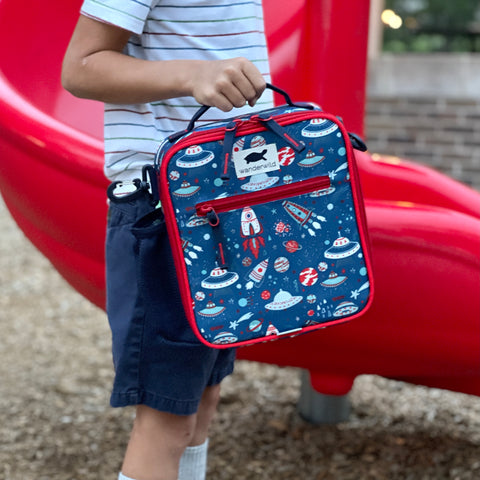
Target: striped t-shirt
{"points": [[168, 30]]}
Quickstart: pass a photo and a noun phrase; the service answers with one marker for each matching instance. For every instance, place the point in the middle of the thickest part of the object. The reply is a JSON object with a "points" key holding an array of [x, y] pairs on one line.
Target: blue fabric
{"points": [[158, 360]]}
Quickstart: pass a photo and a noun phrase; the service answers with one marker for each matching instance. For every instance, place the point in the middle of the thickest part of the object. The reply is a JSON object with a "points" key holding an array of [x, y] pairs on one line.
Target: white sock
{"points": [[121, 476], [193, 464]]}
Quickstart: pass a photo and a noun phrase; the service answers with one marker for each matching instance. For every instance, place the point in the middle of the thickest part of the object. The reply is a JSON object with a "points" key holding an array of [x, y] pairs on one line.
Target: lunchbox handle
{"points": [[278, 90]]}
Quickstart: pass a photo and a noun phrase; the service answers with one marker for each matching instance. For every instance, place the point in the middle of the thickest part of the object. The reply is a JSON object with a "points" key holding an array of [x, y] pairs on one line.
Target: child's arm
{"points": [[94, 67]]}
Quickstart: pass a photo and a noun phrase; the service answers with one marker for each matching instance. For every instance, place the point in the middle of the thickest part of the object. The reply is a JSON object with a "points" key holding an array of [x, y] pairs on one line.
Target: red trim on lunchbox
{"points": [[358, 203], [174, 237]]}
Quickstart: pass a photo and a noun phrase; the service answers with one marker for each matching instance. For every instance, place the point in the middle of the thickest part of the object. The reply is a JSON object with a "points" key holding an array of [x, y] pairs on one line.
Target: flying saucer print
{"points": [[259, 182], [194, 157], [333, 280], [196, 221], [283, 300], [342, 247], [225, 338], [311, 160], [319, 127], [219, 278], [186, 190], [345, 308], [211, 310]]}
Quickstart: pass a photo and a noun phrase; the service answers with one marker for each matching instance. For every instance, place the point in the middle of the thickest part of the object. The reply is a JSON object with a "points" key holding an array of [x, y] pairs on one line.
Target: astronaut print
{"points": [[276, 252]]}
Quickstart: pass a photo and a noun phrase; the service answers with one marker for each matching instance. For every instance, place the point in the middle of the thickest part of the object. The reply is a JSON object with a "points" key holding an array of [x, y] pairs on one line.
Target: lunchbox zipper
{"points": [[211, 208]]}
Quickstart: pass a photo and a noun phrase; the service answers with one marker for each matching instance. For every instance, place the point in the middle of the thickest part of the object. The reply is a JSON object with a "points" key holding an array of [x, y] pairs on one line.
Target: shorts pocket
{"points": [[157, 281]]}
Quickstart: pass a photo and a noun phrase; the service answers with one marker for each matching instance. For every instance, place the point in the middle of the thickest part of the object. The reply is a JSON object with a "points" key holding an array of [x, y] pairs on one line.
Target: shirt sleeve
{"points": [[127, 14]]}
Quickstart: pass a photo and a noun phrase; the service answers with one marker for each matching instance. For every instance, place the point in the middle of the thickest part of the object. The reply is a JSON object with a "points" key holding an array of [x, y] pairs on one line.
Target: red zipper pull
{"points": [[208, 211], [203, 209]]}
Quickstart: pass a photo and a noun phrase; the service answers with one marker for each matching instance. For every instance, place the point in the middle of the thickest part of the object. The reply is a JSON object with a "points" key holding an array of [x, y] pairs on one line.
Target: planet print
{"points": [[255, 325], [311, 298], [322, 266], [308, 277], [174, 175], [286, 156], [200, 296], [257, 141], [247, 261], [281, 264], [292, 246]]}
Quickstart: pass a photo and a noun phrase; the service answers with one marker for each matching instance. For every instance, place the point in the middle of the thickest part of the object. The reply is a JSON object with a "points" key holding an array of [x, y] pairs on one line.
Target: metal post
{"points": [[318, 408]]}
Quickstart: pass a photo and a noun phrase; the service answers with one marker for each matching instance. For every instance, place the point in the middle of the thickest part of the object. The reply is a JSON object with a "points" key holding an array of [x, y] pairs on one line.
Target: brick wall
{"points": [[427, 108]]}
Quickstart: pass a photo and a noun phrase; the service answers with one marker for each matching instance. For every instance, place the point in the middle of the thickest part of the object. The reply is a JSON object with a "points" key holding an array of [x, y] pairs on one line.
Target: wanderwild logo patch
{"points": [[253, 161]]}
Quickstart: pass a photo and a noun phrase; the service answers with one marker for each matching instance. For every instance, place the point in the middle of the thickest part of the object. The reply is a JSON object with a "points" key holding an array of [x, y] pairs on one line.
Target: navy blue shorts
{"points": [[158, 360]]}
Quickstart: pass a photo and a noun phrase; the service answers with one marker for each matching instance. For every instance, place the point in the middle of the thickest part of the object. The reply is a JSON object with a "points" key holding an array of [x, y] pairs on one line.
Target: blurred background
{"points": [[423, 103], [424, 84]]}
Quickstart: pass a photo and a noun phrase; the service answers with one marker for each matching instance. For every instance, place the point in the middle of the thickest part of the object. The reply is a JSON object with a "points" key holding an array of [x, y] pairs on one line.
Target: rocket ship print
{"points": [[251, 229], [306, 218]]}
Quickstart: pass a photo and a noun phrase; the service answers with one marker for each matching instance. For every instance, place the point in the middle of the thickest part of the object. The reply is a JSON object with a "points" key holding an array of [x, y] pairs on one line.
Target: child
{"points": [[153, 63]]}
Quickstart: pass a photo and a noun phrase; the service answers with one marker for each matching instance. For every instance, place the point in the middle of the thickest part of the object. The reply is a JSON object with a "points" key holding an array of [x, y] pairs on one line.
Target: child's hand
{"points": [[227, 83]]}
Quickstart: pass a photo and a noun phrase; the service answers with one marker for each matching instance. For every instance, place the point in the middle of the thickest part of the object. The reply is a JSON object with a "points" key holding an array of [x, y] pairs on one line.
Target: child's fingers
{"points": [[255, 79], [226, 84], [245, 87], [238, 91]]}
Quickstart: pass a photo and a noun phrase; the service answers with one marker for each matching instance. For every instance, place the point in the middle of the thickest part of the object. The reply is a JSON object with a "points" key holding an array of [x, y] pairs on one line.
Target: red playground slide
{"points": [[424, 323]]}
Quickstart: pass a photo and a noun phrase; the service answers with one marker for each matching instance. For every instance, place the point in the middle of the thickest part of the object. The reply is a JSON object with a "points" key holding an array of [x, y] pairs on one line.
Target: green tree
{"points": [[434, 25]]}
